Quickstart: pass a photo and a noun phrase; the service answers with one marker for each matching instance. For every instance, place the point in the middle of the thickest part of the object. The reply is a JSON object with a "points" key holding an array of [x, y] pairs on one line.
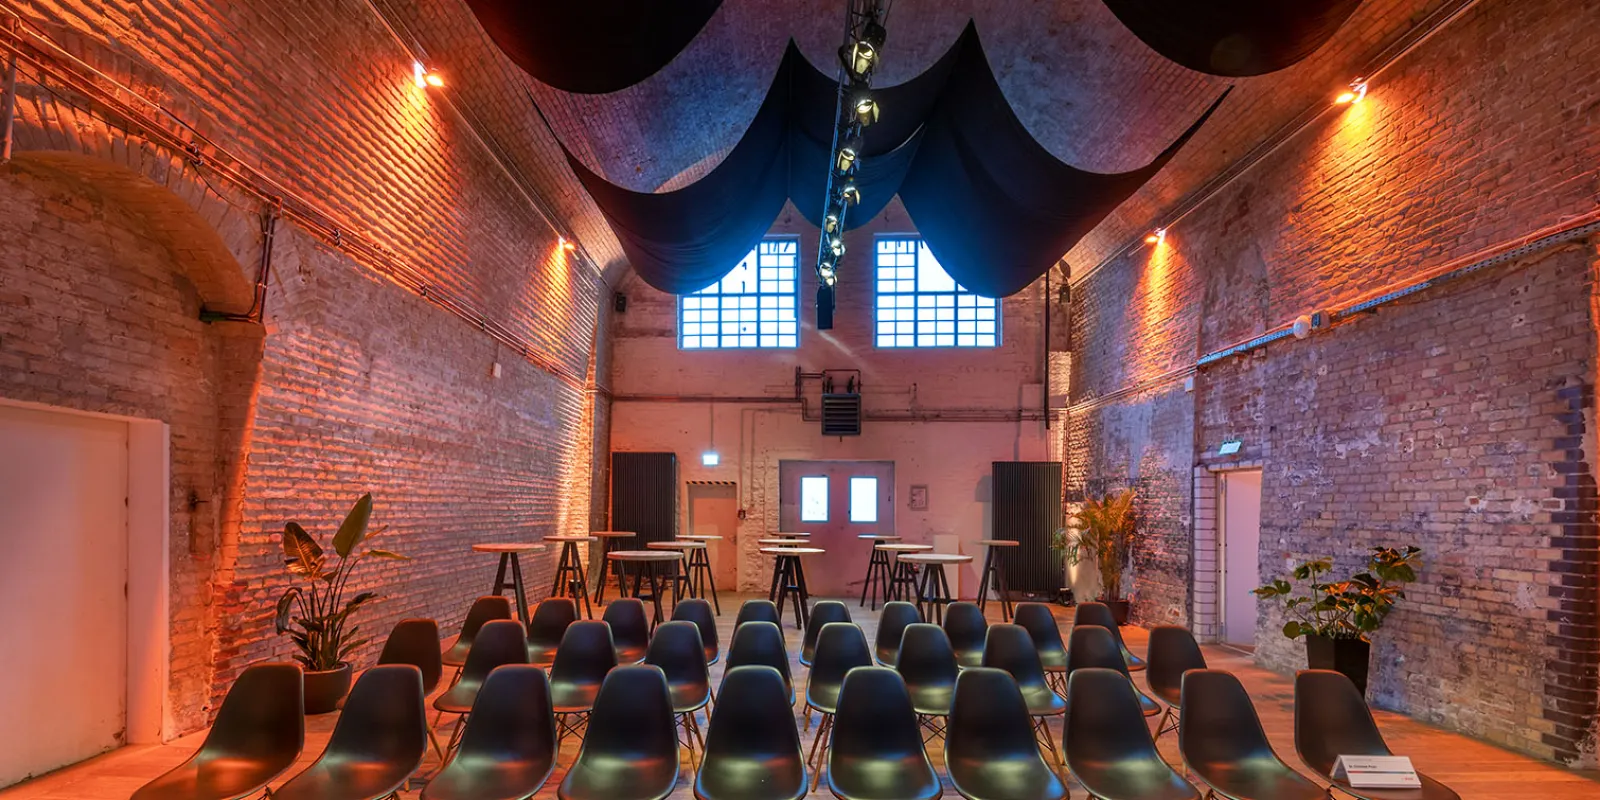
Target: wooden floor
{"points": [[1472, 768]]}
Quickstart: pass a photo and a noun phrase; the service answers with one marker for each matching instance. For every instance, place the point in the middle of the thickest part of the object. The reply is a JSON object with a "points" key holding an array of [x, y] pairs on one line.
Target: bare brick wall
{"points": [[1459, 420], [111, 245]]}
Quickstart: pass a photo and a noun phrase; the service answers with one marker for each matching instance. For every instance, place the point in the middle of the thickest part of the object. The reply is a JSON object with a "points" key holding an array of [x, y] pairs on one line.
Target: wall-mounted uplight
{"points": [[565, 244], [1156, 236], [710, 458], [1355, 94], [425, 77]]}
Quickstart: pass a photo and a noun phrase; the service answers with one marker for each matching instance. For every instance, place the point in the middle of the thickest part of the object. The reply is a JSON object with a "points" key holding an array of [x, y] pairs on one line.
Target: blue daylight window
{"points": [[754, 305], [920, 305]]}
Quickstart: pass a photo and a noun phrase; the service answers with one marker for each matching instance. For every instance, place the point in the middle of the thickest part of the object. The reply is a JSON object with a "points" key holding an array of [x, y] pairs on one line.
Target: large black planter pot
{"points": [[1119, 610], [325, 688], [1348, 657]]}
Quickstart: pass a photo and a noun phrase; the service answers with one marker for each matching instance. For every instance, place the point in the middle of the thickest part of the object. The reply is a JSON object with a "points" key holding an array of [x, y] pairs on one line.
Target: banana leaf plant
{"points": [[1105, 530], [316, 615], [1347, 609]]}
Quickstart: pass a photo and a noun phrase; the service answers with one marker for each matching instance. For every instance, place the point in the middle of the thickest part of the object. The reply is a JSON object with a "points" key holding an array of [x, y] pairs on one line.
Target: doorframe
{"points": [[1207, 604], [149, 520]]}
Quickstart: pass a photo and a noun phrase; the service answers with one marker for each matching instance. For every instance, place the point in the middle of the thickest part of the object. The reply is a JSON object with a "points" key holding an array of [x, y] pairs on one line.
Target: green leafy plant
{"points": [[1106, 531], [316, 615], [1347, 609]]}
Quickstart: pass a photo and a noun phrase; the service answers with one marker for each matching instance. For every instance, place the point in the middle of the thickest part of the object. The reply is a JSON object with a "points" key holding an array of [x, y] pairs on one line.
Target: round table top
{"points": [[613, 534], [904, 548], [879, 537], [642, 555], [699, 537], [936, 558], [793, 551], [798, 534], [675, 545], [513, 547], [573, 538], [999, 542], [781, 541]]}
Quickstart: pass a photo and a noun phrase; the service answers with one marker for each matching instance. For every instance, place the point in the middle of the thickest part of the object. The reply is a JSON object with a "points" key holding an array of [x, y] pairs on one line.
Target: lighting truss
{"points": [[854, 109]]}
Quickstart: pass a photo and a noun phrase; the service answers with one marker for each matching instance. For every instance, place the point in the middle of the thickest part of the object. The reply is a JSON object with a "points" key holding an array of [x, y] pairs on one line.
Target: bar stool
{"points": [[508, 557], [613, 540], [571, 581], [934, 591], [902, 576], [789, 580], [994, 572], [680, 577], [877, 569], [700, 575], [647, 564]]}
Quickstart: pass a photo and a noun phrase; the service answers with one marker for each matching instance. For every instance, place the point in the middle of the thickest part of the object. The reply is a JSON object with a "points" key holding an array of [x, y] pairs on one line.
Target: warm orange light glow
{"points": [[435, 79], [1157, 236], [425, 77], [1356, 93], [566, 245]]}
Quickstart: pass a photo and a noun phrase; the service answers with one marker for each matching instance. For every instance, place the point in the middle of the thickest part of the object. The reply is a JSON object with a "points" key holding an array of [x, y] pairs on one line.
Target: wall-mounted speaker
{"points": [[619, 301]]}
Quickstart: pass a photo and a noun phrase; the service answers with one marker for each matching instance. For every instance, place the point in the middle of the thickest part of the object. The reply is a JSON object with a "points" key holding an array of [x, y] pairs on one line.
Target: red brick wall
{"points": [[353, 383], [1459, 420]]}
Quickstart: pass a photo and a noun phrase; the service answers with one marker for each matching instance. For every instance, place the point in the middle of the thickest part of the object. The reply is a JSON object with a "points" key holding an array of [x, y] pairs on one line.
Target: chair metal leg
{"points": [[819, 750], [1041, 727], [1169, 722]]}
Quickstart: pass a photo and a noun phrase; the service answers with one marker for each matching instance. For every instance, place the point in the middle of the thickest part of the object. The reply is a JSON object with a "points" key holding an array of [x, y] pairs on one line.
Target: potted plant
{"points": [[1105, 532], [1337, 617], [316, 614]]}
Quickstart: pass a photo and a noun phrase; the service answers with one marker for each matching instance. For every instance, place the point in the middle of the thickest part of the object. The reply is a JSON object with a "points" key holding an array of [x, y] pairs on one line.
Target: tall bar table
{"points": [[877, 569], [571, 580], [789, 576], [902, 575], [647, 566], [994, 573], [614, 540], [508, 553], [934, 592], [700, 574]]}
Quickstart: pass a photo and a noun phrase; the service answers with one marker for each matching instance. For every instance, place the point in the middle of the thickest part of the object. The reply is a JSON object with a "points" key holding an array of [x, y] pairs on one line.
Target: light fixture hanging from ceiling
{"points": [[855, 109]]}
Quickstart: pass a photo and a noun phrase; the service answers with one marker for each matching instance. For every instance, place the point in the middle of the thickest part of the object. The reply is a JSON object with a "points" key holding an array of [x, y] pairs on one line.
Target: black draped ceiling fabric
{"points": [[592, 46], [1234, 38], [995, 207]]}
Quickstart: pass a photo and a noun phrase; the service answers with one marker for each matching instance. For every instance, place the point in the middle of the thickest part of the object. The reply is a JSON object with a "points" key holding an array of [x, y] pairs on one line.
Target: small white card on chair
{"points": [[1377, 772]]}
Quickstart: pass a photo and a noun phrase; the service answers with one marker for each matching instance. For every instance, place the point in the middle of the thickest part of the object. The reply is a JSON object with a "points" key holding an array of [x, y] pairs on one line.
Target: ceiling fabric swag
{"points": [[592, 46], [994, 206], [1234, 38]]}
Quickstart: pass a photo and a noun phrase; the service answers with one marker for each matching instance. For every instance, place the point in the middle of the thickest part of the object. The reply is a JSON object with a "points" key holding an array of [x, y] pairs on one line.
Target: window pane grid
{"points": [[920, 305], [755, 305]]}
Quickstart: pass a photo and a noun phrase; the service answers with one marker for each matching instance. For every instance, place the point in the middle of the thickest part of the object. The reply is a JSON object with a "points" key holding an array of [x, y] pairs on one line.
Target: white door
{"points": [[63, 576], [1241, 554]]}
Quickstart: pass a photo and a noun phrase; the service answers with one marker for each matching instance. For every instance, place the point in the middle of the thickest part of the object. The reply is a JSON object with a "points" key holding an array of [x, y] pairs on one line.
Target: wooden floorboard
{"points": [[1474, 769]]}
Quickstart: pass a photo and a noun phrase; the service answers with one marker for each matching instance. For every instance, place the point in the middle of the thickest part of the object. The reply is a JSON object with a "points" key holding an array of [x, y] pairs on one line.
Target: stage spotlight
{"points": [[846, 158], [866, 109], [830, 223], [861, 55], [849, 193], [835, 245], [827, 274]]}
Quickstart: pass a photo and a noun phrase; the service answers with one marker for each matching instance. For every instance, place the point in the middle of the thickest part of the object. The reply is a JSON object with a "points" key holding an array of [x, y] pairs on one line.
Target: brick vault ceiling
{"points": [[1086, 88]]}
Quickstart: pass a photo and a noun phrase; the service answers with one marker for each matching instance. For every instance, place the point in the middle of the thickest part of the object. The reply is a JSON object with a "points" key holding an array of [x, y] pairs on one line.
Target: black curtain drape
{"points": [[1234, 38], [995, 207], [592, 46]]}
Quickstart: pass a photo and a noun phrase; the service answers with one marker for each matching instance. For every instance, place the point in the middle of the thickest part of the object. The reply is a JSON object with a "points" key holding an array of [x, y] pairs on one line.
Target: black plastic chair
{"points": [[1093, 648], [1172, 652], [416, 642], [485, 609], [1100, 614], [757, 611], [1331, 719], [841, 647], [1109, 748], [549, 623], [582, 662], [928, 665], [630, 629], [699, 612], [1009, 647], [376, 745], [892, 622], [257, 735], [1046, 634], [760, 643], [631, 749], [822, 613], [966, 626], [990, 752], [676, 651], [1221, 740], [509, 749], [498, 642], [752, 750], [877, 751]]}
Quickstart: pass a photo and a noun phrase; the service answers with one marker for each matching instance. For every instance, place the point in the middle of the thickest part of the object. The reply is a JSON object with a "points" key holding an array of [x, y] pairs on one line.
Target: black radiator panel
{"points": [[644, 496], [1027, 508]]}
